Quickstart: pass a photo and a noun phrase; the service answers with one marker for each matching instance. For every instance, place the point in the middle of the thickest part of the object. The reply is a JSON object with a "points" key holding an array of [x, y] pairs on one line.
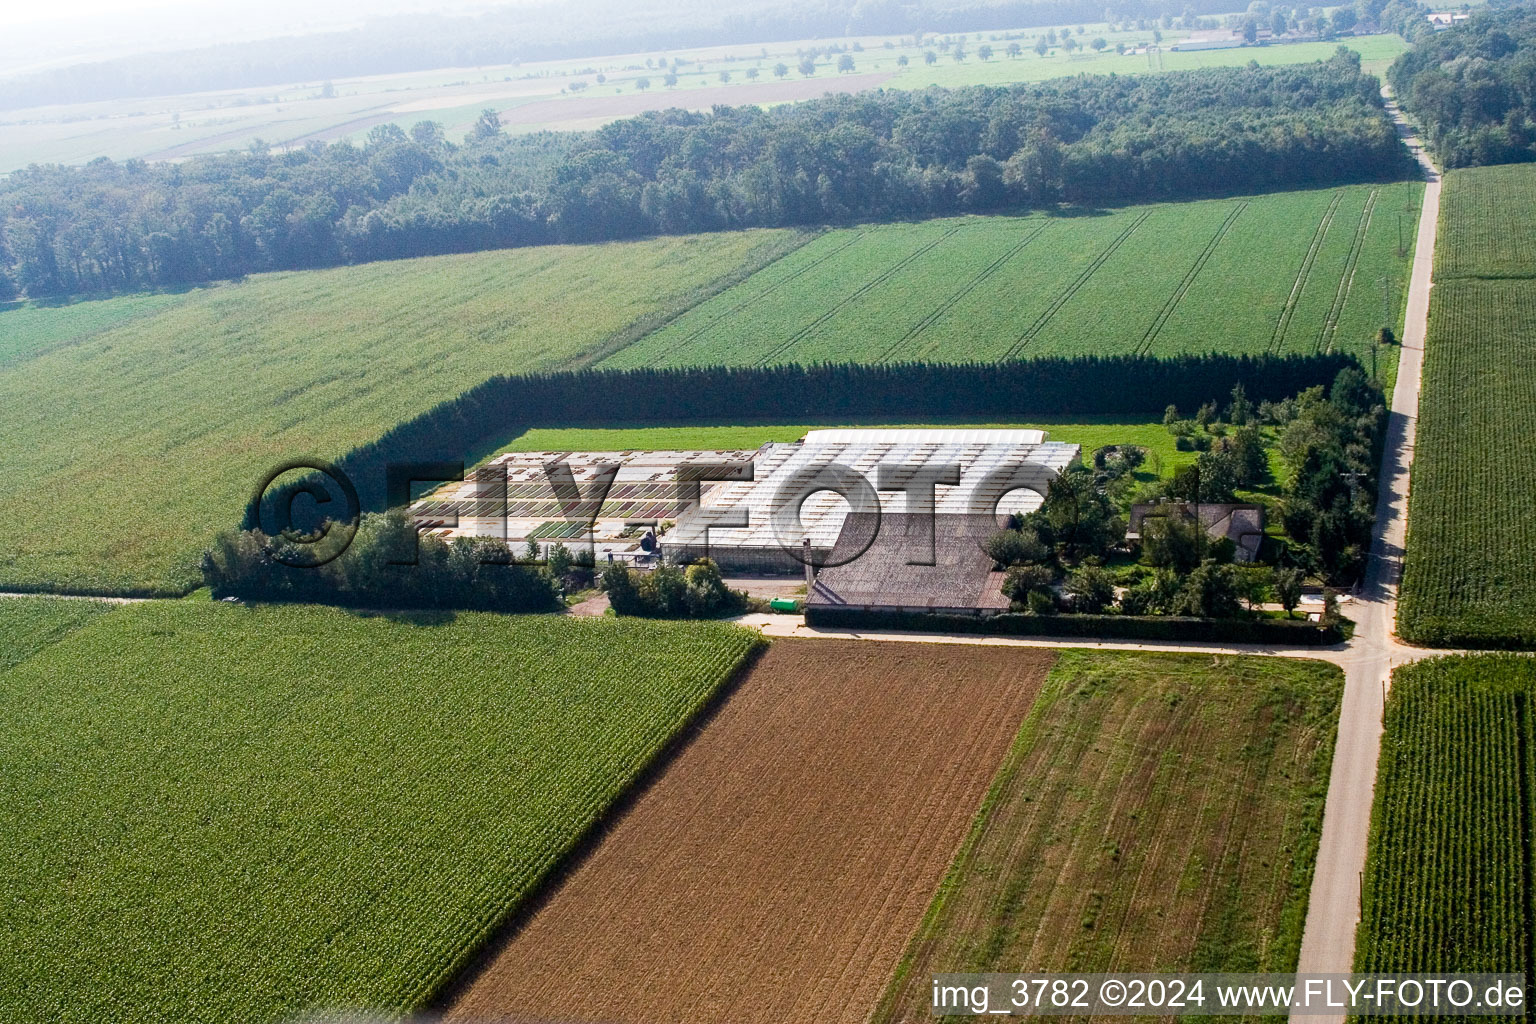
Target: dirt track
{"points": [[777, 869]]}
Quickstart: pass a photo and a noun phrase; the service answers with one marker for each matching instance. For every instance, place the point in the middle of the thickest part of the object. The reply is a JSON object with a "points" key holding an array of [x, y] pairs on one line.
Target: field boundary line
{"points": [[734, 310], [857, 293], [1166, 313], [1330, 326], [1066, 296], [1024, 739], [458, 975], [950, 303], [1303, 275]]}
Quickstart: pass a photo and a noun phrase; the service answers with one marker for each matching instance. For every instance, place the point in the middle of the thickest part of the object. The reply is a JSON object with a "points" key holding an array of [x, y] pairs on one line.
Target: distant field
{"points": [[178, 126], [1376, 52], [126, 451], [1448, 876], [1288, 272], [776, 870], [1466, 578], [1156, 813], [28, 624], [312, 808]]}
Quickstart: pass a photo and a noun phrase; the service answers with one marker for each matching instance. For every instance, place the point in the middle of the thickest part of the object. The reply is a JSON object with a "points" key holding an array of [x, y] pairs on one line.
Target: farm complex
{"points": [[774, 509], [494, 528]]}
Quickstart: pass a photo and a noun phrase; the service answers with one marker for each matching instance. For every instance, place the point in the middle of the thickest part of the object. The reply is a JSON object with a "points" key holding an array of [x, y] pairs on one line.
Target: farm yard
{"points": [[1156, 813], [318, 809], [1447, 883], [776, 869], [1470, 539], [126, 449], [1286, 272]]}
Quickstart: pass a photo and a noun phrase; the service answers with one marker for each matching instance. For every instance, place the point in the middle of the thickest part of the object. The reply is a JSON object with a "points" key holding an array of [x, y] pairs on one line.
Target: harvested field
{"points": [[1157, 813], [778, 867]]}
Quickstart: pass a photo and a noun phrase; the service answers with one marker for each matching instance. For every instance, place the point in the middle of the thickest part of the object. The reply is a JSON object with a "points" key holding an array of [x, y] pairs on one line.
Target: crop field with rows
{"points": [[1156, 813], [1287, 272], [1471, 539], [28, 624], [29, 329], [319, 809], [126, 451], [1447, 877], [1486, 227]]}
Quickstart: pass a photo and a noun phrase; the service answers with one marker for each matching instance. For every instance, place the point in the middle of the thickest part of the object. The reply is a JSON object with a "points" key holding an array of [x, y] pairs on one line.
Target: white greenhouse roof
{"points": [[922, 435]]}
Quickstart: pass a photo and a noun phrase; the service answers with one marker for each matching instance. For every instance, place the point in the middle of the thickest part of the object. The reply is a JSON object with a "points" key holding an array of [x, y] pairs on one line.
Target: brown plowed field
{"points": [[778, 868]]}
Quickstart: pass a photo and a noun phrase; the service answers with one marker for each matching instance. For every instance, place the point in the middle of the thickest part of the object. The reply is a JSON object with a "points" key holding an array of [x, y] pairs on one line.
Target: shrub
{"points": [[1021, 580], [668, 592], [1011, 547]]}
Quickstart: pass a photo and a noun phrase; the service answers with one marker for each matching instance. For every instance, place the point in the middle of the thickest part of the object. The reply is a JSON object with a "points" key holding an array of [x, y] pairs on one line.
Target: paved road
{"points": [[1328, 941]]}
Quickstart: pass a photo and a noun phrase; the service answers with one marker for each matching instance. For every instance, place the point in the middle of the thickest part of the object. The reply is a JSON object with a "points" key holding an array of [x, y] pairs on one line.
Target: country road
{"points": [[1328, 941]]}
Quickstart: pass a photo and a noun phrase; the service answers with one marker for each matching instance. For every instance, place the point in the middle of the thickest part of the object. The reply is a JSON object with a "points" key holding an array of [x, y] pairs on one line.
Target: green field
{"points": [[1466, 577], [1447, 880], [126, 451], [1288, 272], [233, 814], [28, 624], [1156, 813], [1376, 53], [1486, 228], [30, 329]]}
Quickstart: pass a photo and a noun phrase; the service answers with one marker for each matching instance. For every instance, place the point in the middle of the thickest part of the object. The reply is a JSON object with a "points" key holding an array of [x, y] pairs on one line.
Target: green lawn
{"points": [[240, 814], [1466, 577], [1287, 272], [1156, 813], [28, 624], [1448, 875], [1091, 436], [125, 451]]}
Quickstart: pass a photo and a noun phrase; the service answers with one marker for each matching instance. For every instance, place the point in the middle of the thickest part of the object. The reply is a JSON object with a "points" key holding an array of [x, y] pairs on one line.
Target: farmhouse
{"points": [[1242, 524]]}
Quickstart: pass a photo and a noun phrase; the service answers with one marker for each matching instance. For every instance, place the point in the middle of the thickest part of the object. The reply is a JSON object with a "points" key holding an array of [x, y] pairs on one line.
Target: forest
{"points": [[1473, 87], [1089, 141]]}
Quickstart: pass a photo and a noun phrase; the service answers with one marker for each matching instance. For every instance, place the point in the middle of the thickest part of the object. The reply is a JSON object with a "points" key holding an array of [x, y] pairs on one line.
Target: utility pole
{"points": [[1401, 252], [1353, 476]]}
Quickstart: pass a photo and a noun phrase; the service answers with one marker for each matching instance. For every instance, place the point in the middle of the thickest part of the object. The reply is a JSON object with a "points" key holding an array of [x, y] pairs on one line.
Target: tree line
{"points": [[1088, 140], [1473, 88]]}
